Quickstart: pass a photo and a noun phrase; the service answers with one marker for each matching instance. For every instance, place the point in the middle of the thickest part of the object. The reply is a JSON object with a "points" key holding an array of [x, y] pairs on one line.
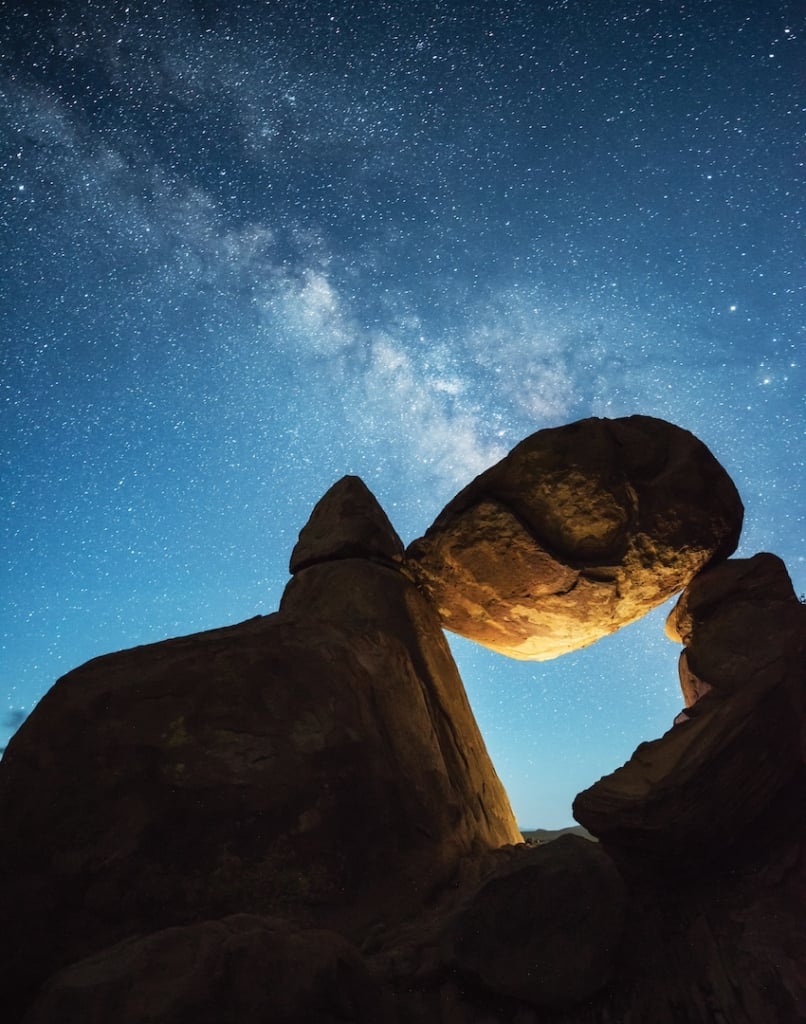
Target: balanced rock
{"points": [[578, 531], [321, 763], [742, 740]]}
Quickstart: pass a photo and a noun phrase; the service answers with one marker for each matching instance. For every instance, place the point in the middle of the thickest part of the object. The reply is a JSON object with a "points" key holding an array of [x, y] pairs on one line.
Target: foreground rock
{"points": [[578, 531], [546, 932], [321, 763], [347, 523]]}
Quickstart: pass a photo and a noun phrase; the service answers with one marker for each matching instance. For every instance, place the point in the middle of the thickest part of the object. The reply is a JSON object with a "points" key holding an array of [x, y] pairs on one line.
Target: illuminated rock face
{"points": [[579, 531], [699, 788]]}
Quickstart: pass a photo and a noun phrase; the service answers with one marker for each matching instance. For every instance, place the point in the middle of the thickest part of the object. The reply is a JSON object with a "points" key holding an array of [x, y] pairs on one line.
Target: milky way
{"points": [[249, 249]]}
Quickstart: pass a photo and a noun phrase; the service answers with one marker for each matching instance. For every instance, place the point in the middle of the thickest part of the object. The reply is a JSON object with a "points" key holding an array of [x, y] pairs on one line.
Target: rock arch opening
{"points": [[579, 531], [554, 728]]}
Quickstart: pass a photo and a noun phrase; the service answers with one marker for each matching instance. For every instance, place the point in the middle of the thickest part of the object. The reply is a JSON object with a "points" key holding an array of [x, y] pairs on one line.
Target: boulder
{"points": [[546, 931], [294, 819], [691, 794], [321, 763], [578, 531]]}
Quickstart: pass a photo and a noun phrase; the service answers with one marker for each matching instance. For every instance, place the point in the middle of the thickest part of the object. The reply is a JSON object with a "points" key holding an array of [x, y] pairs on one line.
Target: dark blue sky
{"points": [[248, 249]]}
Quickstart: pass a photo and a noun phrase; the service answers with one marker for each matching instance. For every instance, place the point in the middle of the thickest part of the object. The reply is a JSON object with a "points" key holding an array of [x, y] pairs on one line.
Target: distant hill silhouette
{"points": [[545, 835]]}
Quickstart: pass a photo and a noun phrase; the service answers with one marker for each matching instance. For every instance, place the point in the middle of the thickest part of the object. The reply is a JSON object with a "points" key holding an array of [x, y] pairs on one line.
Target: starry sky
{"points": [[247, 248]]}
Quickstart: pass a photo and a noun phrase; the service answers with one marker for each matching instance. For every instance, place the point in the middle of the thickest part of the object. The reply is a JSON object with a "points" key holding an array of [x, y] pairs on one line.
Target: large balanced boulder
{"points": [[742, 739], [578, 531], [321, 763]]}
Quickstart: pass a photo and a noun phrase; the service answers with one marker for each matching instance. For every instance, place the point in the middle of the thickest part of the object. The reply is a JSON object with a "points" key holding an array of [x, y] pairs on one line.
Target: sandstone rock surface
{"points": [[701, 786], [578, 531]]}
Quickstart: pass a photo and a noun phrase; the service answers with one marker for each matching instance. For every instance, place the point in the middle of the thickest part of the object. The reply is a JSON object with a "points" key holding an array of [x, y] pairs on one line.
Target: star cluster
{"points": [[249, 248]]}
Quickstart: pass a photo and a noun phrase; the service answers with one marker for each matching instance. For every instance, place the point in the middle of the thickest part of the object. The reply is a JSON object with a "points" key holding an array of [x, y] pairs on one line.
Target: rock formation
{"points": [[577, 532], [740, 744], [295, 819], [322, 763]]}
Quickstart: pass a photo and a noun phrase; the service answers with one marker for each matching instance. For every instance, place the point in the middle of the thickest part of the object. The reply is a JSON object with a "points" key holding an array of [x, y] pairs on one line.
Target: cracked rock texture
{"points": [[578, 531]]}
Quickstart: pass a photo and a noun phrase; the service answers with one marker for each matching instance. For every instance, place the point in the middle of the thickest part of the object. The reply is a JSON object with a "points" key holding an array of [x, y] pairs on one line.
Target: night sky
{"points": [[249, 248]]}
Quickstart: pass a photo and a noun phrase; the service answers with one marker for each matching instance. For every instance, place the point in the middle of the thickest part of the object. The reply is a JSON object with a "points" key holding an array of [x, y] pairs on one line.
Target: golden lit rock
{"points": [[579, 531]]}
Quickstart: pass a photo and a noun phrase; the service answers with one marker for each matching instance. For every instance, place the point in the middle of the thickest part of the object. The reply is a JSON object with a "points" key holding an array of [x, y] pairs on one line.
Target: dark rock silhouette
{"points": [[295, 819], [577, 532], [701, 786]]}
